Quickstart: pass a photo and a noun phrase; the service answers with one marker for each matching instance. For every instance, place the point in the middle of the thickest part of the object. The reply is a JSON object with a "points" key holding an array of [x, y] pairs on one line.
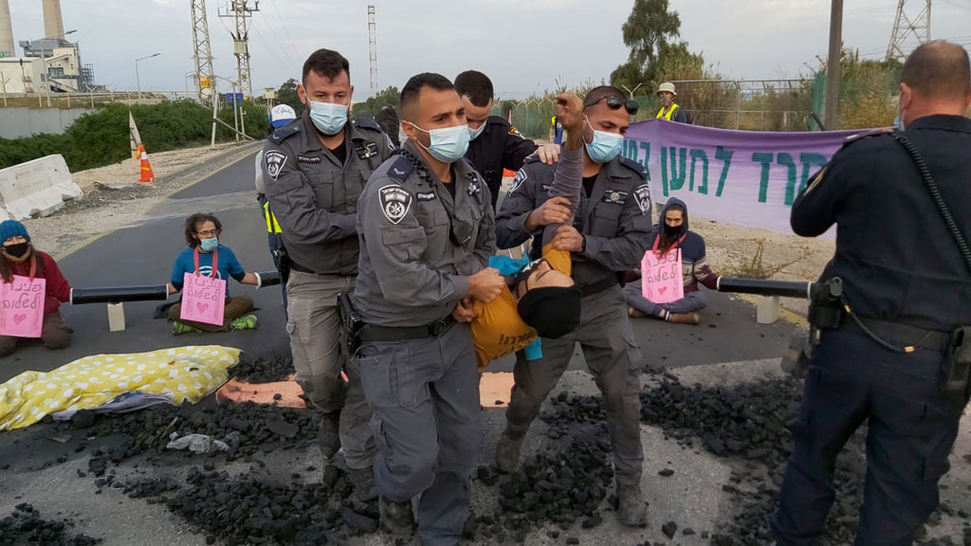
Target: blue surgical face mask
{"points": [[329, 118], [605, 146], [474, 133], [447, 144], [208, 245]]}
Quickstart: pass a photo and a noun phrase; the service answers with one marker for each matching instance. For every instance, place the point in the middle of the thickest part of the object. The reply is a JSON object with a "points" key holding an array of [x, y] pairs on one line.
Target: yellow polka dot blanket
{"points": [[182, 374]]}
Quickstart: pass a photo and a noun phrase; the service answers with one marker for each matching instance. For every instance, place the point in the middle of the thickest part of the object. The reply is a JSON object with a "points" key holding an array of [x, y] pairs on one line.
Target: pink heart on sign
{"points": [[202, 307], [662, 289], [17, 319]]}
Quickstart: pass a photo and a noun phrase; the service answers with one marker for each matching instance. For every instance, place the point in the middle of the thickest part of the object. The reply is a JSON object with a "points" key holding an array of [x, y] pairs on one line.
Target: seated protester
{"points": [[671, 234], [21, 258], [202, 236], [541, 299]]}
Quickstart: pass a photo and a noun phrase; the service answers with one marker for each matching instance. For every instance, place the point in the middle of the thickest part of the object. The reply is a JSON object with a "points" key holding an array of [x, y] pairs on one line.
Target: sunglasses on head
{"points": [[614, 102]]}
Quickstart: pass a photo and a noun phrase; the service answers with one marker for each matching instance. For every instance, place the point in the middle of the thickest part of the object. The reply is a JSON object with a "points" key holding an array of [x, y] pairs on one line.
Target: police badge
{"points": [[395, 202], [642, 194], [274, 162], [518, 181]]}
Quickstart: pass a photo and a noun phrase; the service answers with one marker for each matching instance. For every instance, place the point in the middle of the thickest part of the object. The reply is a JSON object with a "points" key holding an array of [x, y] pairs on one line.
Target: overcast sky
{"points": [[523, 45]]}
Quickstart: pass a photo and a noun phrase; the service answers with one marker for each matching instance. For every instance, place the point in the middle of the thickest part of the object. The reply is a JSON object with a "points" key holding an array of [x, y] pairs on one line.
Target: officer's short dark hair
{"points": [[326, 63], [938, 69], [476, 85], [598, 93], [412, 89]]}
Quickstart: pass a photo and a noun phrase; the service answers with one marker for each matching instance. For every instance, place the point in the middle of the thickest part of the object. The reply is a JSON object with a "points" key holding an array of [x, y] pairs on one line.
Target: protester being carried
{"points": [[22, 259], [541, 299], [670, 234], [201, 257]]}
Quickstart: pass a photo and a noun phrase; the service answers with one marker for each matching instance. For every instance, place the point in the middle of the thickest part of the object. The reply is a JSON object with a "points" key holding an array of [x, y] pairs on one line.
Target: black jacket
{"points": [[896, 256], [500, 146]]}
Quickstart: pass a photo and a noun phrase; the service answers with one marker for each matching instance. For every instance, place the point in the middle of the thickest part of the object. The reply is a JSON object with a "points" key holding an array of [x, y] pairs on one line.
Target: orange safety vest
{"points": [[661, 114]]}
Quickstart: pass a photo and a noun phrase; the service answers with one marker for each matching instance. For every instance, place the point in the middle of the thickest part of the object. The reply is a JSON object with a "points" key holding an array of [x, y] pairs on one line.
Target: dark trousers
{"points": [[911, 429], [55, 334], [235, 307]]}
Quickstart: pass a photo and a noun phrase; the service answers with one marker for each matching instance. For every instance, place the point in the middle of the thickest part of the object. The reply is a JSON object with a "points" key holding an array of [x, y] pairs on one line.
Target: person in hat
{"points": [[19, 257], [669, 110], [280, 115]]}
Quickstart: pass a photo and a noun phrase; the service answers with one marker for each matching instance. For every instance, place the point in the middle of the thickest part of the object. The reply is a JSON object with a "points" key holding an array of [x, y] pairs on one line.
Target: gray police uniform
{"points": [[615, 220], [314, 198], [421, 382]]}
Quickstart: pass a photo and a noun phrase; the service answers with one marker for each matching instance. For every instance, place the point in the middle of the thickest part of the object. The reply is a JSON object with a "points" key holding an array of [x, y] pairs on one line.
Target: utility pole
{"points": [[373, 45], [202, 51], [833, 68], [240, 10], [905, 27]]}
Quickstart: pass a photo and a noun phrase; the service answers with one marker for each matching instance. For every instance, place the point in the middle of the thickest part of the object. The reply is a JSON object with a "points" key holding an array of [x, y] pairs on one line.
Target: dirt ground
{"points": [[112, 198]]}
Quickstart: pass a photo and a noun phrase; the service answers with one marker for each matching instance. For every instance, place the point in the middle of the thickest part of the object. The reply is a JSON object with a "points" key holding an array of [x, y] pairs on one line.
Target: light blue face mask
{"points": [[605, 146], [447, 144], [329, 118], [208, 245], [474, 133]]}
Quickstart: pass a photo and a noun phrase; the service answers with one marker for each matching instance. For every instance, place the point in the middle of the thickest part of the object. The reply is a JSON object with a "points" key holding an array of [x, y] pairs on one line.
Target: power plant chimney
{"points": [[6, 30], [53, 24]]}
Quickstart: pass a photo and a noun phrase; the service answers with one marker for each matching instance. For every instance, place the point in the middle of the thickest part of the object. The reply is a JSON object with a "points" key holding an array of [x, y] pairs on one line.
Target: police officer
{"points": [[315, 170], [427, 232], [280, 115], [611, 231], [496, 145], [905, 289]]}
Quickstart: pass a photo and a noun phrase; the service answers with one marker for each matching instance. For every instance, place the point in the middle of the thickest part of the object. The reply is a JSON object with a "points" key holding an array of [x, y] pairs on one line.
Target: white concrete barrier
{"points": [[36, 188]]}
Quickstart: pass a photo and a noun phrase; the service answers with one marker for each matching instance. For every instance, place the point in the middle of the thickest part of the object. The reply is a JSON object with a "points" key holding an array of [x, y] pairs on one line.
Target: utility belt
{"points": [[829, 309], [356, 331], [297, 267]]}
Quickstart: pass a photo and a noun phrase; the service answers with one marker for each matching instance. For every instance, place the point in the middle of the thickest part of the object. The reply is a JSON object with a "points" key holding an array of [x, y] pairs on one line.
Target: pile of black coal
{"points": [[748, 422], [563, 484], [244, 510], [248, 428], [261, 370], [25, 526]]}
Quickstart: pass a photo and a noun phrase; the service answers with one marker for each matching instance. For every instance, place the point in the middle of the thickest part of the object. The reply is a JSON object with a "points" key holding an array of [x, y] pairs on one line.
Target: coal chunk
{"points": [[669, 529]]}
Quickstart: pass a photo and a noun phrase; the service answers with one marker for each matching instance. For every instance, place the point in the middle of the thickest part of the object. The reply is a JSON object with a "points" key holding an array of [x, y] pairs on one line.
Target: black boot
{"points": [[329, 437]]}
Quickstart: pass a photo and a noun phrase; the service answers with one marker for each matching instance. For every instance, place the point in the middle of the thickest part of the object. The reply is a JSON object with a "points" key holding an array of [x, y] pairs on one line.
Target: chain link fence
{"points": [[752, 105]]}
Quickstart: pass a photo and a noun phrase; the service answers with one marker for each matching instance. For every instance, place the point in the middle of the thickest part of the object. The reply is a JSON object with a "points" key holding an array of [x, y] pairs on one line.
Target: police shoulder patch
{"points": [[633, 165], [401, 169], [284, 133], [642, 194], [515, 132], [395, 202], [274, 160], [518, 180]]}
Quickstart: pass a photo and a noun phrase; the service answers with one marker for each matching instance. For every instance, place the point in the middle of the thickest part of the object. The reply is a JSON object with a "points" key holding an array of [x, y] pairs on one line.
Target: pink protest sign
{"points": [[661, 276], [203, 299], [22, 314]]}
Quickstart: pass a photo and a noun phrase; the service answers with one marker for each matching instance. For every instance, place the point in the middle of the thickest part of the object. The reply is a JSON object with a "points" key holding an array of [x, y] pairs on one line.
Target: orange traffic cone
{"points": [[147, 174]]}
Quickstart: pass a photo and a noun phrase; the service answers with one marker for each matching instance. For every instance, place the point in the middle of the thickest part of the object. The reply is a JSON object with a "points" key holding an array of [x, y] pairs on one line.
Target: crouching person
{"points": [[672, 234], [22, 259], [205, 256]]}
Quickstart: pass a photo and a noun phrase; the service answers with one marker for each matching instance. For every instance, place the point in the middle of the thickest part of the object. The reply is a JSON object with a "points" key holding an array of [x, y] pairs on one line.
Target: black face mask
{"points": [[671, 231], [17, 250], [552, 311]]}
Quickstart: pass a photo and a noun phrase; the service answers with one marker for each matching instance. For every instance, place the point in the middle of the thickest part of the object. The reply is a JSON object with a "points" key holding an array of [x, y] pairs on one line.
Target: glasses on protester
{"points": [[614, 102]]}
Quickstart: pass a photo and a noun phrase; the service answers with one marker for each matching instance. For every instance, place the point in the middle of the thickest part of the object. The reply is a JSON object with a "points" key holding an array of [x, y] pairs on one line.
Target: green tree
{"points": [[370, 107], [287, 94], [650, 27]]}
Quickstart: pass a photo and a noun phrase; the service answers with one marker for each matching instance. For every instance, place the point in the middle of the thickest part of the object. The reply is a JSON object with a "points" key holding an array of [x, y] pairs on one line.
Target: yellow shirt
{"points": [[497, 329]]}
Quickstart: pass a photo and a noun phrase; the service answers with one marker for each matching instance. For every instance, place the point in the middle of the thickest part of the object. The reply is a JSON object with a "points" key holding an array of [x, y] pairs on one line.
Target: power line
{"points": [[291, 59], [285, 29]]}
